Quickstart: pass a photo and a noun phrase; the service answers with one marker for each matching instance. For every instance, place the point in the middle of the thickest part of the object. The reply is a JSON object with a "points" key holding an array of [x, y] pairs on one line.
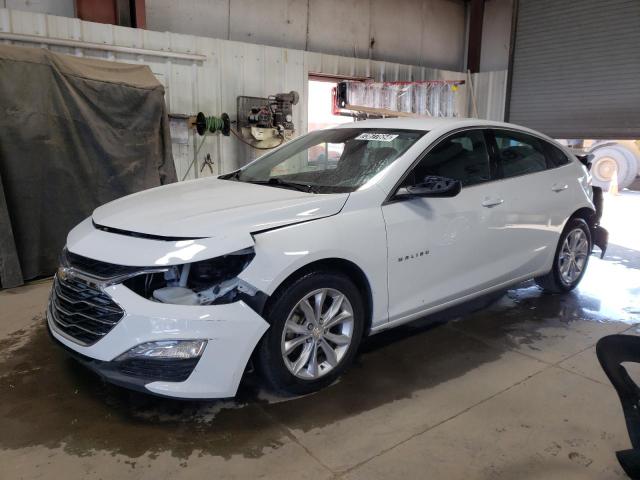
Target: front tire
{"points": [[316, 326], [571, 258]]}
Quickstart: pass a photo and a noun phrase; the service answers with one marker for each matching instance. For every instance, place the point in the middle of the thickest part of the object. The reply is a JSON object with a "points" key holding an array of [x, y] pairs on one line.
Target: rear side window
{"points": [[462, 156], [519, 154], [555, 156]]}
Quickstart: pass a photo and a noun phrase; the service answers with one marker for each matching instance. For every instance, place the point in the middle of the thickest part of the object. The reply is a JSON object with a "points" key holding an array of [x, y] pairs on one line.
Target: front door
{"points": [[440, 249]]}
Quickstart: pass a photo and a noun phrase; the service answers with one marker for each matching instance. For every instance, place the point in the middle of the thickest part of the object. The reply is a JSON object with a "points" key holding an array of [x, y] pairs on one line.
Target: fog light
{"points": [[166, 349]]}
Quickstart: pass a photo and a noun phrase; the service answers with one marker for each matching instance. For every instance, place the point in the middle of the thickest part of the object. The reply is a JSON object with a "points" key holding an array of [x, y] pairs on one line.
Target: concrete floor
{"points": [[513, 390]]}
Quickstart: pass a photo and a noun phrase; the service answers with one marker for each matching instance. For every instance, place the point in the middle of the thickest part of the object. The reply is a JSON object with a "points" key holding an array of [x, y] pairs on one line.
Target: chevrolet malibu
{"points": [[288, 262]]}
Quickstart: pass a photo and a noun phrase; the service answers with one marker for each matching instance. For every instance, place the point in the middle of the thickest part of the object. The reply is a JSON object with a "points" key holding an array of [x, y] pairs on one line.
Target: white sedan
{"points": [[290, 261]]}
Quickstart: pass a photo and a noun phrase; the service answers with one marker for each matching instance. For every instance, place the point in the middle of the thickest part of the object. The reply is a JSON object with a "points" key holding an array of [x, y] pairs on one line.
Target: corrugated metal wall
{"points": [[489, 89], [230, 69], [433, 31], [419, 32]]}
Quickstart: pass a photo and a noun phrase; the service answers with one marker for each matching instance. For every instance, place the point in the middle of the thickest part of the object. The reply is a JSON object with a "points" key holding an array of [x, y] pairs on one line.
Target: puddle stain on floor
{"points": [[47, 399]]}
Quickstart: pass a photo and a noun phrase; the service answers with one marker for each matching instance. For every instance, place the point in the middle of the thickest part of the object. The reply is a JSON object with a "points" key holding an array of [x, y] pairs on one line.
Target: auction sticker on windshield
{"points": [[378, 137]]}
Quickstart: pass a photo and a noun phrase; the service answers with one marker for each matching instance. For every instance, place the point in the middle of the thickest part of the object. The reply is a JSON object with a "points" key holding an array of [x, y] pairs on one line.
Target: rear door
{"points": [[536, 190]]}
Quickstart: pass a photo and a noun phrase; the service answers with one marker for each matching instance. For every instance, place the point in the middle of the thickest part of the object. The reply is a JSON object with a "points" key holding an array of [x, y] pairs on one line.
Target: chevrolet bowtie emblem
{"points": [[64, 273]]}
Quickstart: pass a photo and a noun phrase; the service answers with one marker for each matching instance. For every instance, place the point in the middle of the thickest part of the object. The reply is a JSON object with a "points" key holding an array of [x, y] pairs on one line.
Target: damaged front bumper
{"points": [[231, 331], [102, 309]]}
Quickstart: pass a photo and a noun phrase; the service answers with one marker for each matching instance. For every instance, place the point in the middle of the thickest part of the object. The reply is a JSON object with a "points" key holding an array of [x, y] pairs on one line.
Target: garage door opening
{"points": [[320, 103], [615, 165]]}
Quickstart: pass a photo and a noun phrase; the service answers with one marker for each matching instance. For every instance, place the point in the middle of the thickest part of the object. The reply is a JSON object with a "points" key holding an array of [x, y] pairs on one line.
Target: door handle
{"points": [[492, 202], [558, 187]]}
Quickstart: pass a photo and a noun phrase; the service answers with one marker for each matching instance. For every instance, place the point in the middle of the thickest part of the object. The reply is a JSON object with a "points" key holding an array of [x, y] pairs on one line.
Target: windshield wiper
{"points": [[277, 182], [231, 176]]}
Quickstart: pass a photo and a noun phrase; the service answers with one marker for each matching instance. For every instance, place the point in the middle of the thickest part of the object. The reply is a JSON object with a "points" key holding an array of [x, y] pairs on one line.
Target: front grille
{"points": [[168, 370], [81, 311], [99, 269]]}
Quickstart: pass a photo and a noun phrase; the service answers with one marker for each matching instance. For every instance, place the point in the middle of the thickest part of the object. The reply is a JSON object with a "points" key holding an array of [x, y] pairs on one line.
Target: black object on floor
{"points": [[612, 351]]}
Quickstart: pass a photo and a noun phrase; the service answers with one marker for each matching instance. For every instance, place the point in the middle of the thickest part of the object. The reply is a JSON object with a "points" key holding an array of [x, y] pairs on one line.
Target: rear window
{"points": [[555, 156]]}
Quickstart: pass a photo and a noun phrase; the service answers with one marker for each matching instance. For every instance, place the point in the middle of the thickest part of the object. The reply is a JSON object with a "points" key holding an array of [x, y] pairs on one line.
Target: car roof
{"points": [[434, 124]]}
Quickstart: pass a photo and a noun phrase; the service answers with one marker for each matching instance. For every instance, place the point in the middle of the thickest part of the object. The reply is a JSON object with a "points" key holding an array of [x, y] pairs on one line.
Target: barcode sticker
{"points": [[377, 137]]}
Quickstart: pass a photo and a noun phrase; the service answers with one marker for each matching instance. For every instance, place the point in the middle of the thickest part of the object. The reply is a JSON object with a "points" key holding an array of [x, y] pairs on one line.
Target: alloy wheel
{"points": [[317, 333], [573, 256]]}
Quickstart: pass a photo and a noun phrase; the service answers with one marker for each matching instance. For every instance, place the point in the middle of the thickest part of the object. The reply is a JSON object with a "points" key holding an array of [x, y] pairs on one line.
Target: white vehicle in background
{"points": [[290, 262]]}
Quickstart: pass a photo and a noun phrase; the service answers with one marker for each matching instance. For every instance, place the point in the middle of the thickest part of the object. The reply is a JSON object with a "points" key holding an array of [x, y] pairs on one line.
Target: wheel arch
{"points": [[599, 235], [590, 216], [585, 213], [339, 265]]}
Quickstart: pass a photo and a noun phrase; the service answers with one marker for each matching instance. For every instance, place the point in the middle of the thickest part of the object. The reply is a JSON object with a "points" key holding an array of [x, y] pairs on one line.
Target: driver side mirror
{"points": [[435, 186]]}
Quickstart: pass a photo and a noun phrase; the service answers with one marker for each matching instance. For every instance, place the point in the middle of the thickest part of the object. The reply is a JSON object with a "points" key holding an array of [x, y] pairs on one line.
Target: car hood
{"points": [[211, 208]]}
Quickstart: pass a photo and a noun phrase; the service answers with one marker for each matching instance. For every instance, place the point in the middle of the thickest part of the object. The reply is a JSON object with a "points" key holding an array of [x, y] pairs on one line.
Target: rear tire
{"points": [[316, 327], [571, 258]]}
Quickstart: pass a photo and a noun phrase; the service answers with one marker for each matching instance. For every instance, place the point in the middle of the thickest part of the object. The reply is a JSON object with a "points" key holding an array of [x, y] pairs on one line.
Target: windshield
{"points": [[329, 161]]}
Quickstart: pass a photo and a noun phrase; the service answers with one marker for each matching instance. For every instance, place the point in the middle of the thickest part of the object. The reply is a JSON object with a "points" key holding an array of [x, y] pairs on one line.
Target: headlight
{"points": [[166, 349], [198, 283]]}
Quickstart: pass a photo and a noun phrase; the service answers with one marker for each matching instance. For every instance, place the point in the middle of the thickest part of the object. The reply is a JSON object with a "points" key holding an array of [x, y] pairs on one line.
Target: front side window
{"points": [[329, 161], [519, 154], [462, 156]]}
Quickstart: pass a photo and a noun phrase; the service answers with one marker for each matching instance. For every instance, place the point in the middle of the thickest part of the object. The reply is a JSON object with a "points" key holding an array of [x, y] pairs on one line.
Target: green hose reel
{"points": [[211, 124]]}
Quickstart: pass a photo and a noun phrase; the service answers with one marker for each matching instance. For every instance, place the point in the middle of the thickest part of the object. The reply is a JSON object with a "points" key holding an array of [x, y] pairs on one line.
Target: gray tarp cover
{"points": [[74, 133]]}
